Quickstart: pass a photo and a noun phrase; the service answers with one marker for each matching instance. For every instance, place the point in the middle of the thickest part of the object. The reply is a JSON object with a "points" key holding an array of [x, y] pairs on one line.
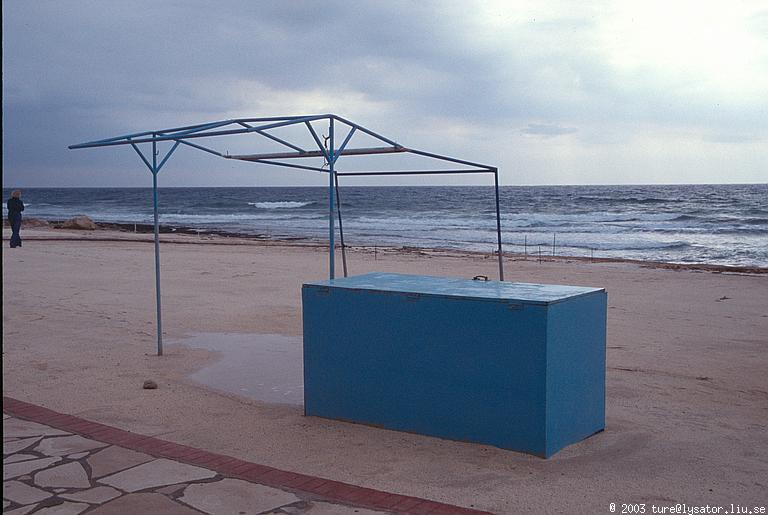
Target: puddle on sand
{"points": [[264, 367]]}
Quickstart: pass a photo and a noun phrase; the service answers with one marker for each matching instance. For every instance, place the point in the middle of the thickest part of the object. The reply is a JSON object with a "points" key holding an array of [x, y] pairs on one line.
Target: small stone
{"points": [[150, 385]]}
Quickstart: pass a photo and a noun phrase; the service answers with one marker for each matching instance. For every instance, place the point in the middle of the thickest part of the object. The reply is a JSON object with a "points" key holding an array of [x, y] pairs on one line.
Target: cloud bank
{"points": [[551, 92]]}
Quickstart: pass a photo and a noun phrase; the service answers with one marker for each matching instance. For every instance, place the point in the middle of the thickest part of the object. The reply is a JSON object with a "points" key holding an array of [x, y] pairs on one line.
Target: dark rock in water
{"points": [[79, 222], [150, 385]]}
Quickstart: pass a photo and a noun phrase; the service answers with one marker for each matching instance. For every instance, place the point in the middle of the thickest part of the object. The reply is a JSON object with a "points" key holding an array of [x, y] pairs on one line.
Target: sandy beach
{"points": [[687, 393]]}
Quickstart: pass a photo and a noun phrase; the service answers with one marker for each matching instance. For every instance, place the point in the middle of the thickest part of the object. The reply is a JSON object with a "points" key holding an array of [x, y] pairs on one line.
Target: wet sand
{"points": [[687, 394]]}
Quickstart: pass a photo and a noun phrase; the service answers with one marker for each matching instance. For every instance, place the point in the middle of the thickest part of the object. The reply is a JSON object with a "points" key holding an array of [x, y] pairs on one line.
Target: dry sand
{"points": [[687, 388]]}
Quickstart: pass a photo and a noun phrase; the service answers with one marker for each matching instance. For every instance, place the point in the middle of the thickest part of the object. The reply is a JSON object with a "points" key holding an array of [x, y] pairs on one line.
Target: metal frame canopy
{"points": [[326, 148]]}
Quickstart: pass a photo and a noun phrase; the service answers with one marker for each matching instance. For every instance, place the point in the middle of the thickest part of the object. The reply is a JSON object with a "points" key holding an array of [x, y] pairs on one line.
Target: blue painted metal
{"points": [[498, 224], [181, 135], [155, 171], [168, 155], [331, 157], [277, 163], [200, 147], [317, 140], [519, 366], [414, 172], [367, 131], [341, 226], [343, 146]]}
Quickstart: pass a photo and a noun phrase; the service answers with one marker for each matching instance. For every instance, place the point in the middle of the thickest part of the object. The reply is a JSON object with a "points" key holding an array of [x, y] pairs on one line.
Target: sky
{"points": [[592, 92]]}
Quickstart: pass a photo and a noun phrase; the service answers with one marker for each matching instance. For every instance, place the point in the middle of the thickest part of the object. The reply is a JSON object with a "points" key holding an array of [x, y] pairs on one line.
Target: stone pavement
{"points": [[61, 464]]}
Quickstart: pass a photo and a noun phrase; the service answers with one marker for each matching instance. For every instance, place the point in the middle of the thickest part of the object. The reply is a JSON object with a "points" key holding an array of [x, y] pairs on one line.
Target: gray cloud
{"points": [[547, 131], [77, 70]]}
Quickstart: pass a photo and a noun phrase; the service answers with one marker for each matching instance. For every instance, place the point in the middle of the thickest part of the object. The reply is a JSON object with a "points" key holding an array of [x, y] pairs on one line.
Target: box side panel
{"points": [[575, 370], [464, 370]]}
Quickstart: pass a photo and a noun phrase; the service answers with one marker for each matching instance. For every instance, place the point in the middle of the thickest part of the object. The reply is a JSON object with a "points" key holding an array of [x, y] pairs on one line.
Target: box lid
{"points": [[458, 288]]}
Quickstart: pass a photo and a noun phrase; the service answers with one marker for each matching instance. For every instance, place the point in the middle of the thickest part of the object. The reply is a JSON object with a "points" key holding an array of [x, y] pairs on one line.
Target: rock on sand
{"points": [[80, 222]]}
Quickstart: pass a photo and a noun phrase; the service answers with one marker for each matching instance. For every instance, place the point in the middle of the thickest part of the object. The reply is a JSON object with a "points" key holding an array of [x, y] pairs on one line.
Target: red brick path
{"points": [[334, 491]]}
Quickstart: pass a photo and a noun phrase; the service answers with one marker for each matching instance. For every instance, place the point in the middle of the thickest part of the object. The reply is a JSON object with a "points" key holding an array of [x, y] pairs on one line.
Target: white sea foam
{"points": [[288, 204]]}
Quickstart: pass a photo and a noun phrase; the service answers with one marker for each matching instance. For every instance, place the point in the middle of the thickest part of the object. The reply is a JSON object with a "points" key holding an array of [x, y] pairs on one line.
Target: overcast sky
{"points": [[551, 93]]}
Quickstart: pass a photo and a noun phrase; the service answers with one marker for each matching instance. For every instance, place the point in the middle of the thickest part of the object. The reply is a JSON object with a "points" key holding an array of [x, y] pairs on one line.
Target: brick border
{"points": [[327, 489]]}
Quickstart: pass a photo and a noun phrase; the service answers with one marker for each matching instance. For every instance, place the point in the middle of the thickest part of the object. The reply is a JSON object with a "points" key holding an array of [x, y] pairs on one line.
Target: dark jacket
{"points": [[15, 207]]}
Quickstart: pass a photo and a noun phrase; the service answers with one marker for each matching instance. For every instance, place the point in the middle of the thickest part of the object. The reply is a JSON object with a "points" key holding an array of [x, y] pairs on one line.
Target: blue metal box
{"points": [[519, 366]]}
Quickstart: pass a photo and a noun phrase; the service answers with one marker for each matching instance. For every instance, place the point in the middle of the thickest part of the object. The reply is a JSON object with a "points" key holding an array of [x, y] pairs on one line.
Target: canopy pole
{"points": [[341, 228], [331, 202], [157, 250], [498, 222]]}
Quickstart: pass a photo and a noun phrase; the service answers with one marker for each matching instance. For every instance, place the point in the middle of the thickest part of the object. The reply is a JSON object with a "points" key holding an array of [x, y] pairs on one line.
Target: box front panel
{"points": [[461, 369]]}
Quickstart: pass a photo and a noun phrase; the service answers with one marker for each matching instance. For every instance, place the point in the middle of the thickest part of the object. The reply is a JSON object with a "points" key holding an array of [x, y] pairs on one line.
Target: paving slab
{"points": [[114, 459], [235, 496], [131, 471], [63, 445], [69, 475], [19, 445], [156, 473], [98, 495], [142, 503], [20, 511], [23, 428], [21, 493], [25, 467], [13, 458], [67, 508]]}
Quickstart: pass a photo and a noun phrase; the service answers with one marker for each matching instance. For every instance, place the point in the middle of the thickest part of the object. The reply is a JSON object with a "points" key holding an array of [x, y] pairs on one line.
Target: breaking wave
{"points": [[288, 204]]}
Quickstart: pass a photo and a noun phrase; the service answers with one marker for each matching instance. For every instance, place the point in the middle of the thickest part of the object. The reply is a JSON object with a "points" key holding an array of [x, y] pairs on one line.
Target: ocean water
{"points": [[716, 224]]}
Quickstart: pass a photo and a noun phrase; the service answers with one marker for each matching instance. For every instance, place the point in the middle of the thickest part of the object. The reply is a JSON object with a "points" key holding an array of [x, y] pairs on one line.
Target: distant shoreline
{"points": [[187, 234], [160, 188]]}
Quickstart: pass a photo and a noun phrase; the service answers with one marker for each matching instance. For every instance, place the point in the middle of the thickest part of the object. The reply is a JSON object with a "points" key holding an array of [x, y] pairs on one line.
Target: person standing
{"points": [[15, 207]]}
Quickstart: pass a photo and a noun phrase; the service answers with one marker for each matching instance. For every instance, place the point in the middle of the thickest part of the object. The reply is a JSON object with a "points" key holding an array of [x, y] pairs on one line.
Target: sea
{"points": [[711, 224]]}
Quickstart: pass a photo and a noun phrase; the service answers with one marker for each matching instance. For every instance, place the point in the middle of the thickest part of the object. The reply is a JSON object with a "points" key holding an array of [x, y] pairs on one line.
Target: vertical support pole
{"points": [[498, 223], [331, 201], [341, 229], [157, 250]]}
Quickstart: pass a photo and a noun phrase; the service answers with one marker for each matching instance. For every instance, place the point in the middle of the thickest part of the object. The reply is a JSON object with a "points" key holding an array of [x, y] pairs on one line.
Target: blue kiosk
{"points": [[519, 366]]}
